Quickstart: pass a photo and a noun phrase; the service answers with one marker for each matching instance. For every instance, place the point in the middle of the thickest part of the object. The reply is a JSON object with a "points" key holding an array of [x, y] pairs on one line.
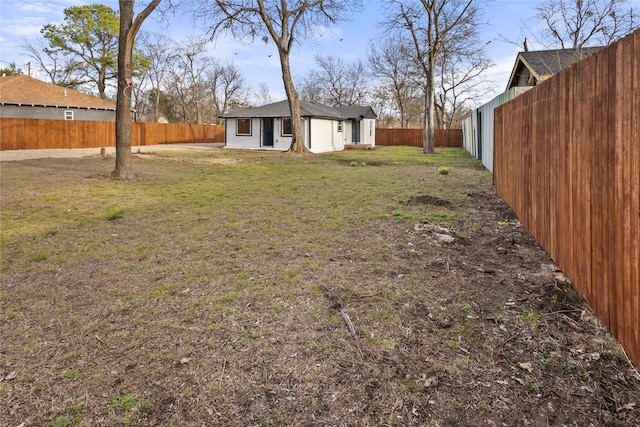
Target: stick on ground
{"points": [[350, 327]]}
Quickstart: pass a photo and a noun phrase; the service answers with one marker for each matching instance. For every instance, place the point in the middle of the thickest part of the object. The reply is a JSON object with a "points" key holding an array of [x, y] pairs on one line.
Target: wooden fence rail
{"points": [[567, 160], [413, 137], [25, 134]]}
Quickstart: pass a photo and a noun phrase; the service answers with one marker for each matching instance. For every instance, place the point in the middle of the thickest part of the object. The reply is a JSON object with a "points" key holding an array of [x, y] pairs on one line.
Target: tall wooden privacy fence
{"points": [[413, 137], [24, 134], [567, 160]]}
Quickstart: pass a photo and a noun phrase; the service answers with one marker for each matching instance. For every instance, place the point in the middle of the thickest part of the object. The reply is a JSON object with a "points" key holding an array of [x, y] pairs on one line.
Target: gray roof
{"points": [[543, 64], [281, 109], [357, 112], [307, 109], [549, 62]]}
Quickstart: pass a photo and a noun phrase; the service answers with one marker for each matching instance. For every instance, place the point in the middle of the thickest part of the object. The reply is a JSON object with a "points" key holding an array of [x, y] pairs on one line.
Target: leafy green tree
{"points": [[11, 70], [90, 35]]}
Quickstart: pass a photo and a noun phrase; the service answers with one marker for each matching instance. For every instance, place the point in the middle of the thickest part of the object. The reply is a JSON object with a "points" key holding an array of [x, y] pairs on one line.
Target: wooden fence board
{"points": [[567, 160], [24, 134], [631, 175], [413, 137]]}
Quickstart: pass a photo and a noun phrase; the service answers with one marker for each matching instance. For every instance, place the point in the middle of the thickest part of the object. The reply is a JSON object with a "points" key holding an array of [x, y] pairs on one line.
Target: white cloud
{"points": [[26, 28]]}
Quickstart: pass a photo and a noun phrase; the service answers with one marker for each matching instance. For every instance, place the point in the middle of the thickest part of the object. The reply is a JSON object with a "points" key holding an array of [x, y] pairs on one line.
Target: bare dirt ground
{"points": [[401, 323], [65, 153]]}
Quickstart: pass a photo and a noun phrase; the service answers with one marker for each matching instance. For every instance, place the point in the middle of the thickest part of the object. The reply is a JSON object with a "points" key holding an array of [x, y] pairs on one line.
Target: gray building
{"points": [[28, 98]]}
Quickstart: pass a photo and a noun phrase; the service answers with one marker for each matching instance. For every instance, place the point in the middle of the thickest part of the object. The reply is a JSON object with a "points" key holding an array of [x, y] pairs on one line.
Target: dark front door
{"points": [[267, 132], [355, 131]]}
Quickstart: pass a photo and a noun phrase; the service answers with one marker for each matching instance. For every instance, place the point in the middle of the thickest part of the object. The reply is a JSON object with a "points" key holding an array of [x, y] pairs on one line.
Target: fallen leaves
{"points": [[10, 376], [627, 407], [525, 366]]}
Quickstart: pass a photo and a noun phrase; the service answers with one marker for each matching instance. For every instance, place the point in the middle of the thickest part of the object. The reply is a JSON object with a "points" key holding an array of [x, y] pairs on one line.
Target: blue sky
{"points": [[21, 21]]}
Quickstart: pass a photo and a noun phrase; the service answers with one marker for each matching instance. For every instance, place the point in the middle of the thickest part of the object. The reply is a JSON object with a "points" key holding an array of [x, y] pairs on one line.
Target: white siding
{"points": [[347, 137], [242, 141], [368, 132], [281, 142], [477, 129], [325, 136]]}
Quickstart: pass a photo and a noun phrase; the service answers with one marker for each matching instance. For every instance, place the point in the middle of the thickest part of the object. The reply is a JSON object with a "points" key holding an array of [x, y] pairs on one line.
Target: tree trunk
{"points": [[102, 86], [123, 168], [297, 140], [156, 115], [128, 31], [429, 123]]}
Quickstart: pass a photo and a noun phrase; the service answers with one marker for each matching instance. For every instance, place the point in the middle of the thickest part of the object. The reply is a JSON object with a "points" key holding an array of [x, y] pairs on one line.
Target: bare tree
{"points": [[192, 65], [263, 95], [128, 29], [282, 22], [227, 86], [459, 81], [579, 23], [383, 103], [159, 50], [187, 82], [338, 83], [309, 88], [56, 64], [433, 27], [193, 87], [392, 64]]}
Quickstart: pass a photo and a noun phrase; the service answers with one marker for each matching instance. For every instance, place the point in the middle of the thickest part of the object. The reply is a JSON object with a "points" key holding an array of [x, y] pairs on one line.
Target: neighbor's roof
{"points": [[307, 109], [23, 90], [543, 64]]}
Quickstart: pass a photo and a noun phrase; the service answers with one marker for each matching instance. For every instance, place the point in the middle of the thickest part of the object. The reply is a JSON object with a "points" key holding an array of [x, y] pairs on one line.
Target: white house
{"points": [[324, 128]]}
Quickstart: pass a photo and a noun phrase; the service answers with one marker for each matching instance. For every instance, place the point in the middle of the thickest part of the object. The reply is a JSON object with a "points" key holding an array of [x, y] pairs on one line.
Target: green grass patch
{"points": [[115, 214], [211, 260], [128, 407], [440, 217], [70, 416]]}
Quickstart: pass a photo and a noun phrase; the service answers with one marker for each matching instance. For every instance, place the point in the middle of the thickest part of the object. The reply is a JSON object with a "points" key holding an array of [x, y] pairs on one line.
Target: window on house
{"points": [[244, 127], [68, 115], [287, 128], [340, 126]]}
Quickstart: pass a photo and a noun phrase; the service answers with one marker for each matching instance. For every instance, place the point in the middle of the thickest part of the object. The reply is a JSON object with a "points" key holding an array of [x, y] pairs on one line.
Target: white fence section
{"points": [[477, 128]]}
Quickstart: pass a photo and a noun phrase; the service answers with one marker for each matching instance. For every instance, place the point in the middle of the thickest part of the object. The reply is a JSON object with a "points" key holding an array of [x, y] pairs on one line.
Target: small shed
{"points": [[324, 128], [28, 98]]}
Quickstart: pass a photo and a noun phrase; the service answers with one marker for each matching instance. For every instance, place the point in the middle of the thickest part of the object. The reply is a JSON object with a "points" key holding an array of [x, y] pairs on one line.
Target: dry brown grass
{"points": [[212, 291]]}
